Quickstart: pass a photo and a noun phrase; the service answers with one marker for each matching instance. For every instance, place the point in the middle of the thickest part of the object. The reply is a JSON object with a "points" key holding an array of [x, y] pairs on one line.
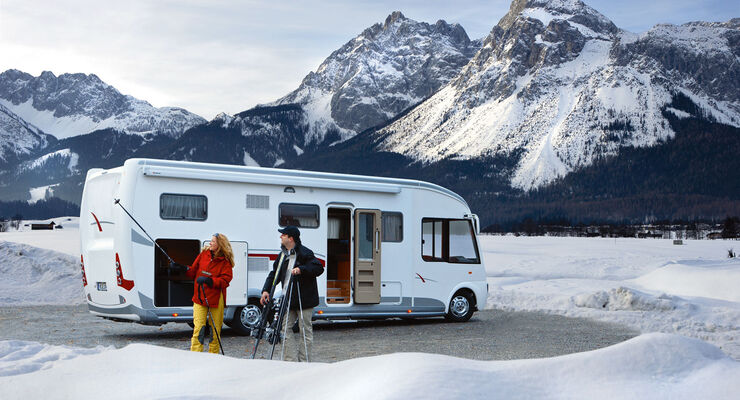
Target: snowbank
{"points": [[652, 366], [33, 276]]}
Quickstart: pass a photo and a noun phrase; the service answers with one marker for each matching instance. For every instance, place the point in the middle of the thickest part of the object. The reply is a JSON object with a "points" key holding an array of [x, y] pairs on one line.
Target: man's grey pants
{"points": [[295, 349]]}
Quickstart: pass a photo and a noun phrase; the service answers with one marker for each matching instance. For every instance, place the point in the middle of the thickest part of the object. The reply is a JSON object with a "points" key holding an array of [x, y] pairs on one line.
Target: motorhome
{"points": [[390, 247]]}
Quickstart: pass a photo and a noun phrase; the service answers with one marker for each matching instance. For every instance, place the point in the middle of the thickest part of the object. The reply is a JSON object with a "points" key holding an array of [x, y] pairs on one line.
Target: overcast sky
{"points": [[227, 55]]}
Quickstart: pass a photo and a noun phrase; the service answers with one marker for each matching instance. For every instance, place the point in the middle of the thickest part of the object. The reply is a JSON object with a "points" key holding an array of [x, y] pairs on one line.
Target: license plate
{"points": [[101, 286]]}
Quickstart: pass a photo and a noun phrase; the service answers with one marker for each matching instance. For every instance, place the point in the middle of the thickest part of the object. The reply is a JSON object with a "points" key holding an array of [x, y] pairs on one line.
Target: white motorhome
{"points": [[390, 247]]}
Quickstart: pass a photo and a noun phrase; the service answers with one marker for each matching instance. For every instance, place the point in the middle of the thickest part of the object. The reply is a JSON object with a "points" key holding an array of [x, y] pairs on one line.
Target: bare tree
{"points": [[15, 222]]}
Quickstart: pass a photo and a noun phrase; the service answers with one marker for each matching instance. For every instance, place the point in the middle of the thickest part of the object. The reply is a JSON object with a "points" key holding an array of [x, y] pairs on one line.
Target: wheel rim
{"points": [[250, 315], [459, 306]]}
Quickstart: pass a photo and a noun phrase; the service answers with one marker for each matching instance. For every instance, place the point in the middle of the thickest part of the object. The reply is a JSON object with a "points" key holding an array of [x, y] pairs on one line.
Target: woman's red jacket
{"points": [[218, 269]]}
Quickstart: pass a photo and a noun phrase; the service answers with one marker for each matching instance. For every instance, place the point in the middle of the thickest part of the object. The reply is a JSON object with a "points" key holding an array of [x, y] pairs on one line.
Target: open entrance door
{"points": [[338, 250], [367, 256]]}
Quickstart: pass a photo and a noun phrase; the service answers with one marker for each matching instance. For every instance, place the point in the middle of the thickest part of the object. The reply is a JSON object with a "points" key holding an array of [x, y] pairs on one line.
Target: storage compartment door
{"points": [[367, 256]]}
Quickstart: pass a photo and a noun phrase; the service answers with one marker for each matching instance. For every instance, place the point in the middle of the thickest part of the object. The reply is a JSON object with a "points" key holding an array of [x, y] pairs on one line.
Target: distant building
{"points": [[38, 227]]}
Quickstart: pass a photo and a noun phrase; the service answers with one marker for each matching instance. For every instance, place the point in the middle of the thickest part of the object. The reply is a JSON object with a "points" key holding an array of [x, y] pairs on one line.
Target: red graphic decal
{"points": [[124, 283], [97, 222], [82, 265], [420, 277]]}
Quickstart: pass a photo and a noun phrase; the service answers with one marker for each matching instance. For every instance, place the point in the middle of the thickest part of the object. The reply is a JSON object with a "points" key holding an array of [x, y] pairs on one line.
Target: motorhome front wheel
{"points": [[461, 307]]}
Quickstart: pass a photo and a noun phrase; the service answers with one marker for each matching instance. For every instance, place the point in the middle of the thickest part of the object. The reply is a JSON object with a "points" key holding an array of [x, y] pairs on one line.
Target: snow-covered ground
{"points": [[649, 284], [687, 291], [65, 240], [652, 366]]}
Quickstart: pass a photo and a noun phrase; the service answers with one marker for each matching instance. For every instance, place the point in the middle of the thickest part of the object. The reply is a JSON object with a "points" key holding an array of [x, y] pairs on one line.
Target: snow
{"points": [[64, 153], [683, 298], [653, 366], [138, 118], [65, 240], [650, 285], [545, 16], [34, 276], [249, 161], [678, 113], [39, 193], [61, 127]]}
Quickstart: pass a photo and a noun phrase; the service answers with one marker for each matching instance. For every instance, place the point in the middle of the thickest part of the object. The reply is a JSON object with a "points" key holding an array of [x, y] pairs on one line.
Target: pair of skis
{"points": [[273, 315]]}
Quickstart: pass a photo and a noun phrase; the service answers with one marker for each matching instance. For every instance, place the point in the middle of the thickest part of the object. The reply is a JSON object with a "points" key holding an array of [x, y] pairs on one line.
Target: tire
{"points": [[461, 307], [245, 318]]}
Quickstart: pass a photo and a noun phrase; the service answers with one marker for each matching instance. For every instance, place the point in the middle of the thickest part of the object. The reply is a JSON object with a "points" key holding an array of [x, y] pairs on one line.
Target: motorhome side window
{"points": [[183, 207], [300, 215], [392, 226], [448, 240]]}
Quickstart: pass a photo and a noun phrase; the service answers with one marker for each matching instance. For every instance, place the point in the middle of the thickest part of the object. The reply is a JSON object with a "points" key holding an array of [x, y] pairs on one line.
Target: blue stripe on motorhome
{"points": [[421, 304]]}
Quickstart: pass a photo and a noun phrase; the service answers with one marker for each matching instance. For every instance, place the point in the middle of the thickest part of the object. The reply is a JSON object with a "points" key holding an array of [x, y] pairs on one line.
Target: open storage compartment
{"points": [[174, 289]]}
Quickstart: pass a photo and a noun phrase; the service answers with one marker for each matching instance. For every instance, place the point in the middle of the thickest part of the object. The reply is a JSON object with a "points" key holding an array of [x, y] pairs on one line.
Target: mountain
{"points": [[381, 72], [386, 69], [557, 114], [558, 85], [59, 169], [18, 138], [55, 128], [76, 104], [562, 115]]}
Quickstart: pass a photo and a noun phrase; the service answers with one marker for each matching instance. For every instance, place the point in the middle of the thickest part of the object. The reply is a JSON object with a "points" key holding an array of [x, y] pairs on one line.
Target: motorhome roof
{"points": [[238, 173]]}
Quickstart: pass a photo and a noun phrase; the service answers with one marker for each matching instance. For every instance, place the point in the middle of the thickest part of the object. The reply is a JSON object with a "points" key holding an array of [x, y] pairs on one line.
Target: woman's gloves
{"points": [[176, 267], [205, 279]]}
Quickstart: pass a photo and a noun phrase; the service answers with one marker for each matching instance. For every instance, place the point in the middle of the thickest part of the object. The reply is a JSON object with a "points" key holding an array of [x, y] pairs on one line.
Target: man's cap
{"points": [[291, 231]]}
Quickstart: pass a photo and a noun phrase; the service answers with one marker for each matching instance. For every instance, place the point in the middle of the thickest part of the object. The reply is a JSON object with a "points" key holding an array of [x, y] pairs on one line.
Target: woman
{"points": [[212, 271]]}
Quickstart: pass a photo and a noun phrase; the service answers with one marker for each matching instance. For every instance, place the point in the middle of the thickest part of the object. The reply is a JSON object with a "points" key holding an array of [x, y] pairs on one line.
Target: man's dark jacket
{"points": [[310, 267]]}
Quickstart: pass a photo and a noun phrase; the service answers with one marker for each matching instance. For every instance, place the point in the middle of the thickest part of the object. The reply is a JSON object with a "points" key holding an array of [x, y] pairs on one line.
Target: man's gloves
{"points": [[205, 279], [176, 267]]}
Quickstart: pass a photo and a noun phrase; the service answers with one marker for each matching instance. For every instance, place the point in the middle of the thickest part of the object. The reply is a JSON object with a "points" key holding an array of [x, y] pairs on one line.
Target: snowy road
{"points": [[489, 335]]}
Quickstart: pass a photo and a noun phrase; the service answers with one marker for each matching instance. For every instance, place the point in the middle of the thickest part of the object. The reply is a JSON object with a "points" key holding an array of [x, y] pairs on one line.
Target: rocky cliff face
{"points": [[76, 104], [557, 85]]}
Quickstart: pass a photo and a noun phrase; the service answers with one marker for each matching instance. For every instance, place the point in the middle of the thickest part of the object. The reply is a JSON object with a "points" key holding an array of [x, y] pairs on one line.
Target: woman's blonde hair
{"points": [[224, 248]]}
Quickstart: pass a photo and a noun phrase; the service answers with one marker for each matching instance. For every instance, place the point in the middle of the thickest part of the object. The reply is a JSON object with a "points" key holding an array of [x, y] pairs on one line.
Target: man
{"points": [[297, 260]]}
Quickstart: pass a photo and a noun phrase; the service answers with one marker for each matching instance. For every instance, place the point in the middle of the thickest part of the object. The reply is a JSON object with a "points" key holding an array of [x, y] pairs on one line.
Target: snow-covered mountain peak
{"points": [[378, 74], [557, 85], [394, 18], [75, 104], [590, 21]]}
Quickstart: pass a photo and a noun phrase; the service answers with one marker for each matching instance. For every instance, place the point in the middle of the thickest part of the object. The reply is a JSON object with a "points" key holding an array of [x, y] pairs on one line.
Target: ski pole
{"points": [[208, 314], [118, 201], [300, 312]]}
